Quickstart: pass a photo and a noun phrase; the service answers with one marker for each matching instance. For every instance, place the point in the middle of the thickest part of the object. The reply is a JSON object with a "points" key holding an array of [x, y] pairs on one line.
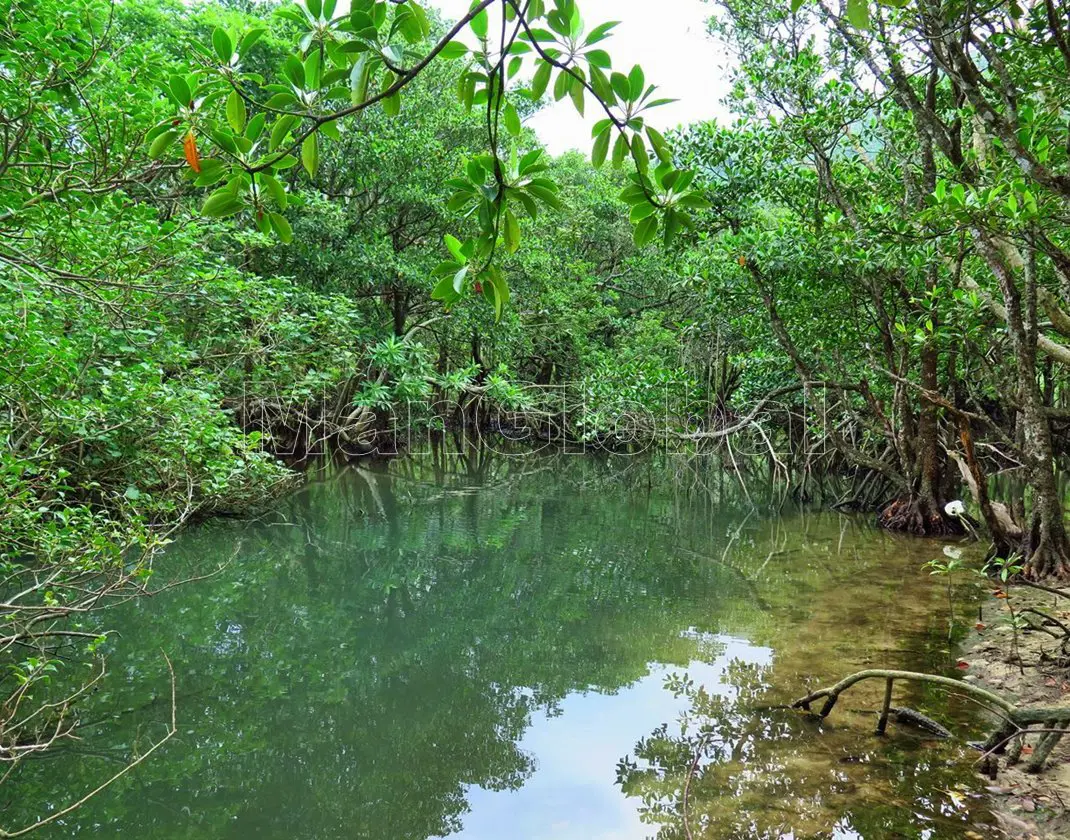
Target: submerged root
{"points": [[915, 516], [1014, 721]]}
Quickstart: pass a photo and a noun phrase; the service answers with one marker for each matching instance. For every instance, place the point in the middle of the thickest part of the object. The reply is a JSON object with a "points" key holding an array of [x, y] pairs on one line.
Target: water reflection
{"points": [[477, 647]]}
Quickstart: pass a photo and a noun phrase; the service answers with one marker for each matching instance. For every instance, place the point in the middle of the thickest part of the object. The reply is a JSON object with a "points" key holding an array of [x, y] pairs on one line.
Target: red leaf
{"points": [[193, 157], [962, 665]]}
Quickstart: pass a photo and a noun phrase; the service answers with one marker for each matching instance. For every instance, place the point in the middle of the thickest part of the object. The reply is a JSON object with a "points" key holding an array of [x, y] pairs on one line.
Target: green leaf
{"points": [[453, 50], [673, 222], [212, 172], [621, 86], [444, 291], [255, 127], [223, 202], [456, 248], [310, 154], [313, 68], [280, 130], [476, 173], [511, 232], [331, 131], [529, 203], [359, 79], [602, 87], [281, 100], [636, 83], [529, 160], [620, 151], [639, 154], [501, 291], [263, 223], [577, 91], [392, 104], [512, 119], [858, 13], [489, 294], [224, 48], [546, 196], [659, 144], [162, 141], [694, 201], [180, 90], [273, 187], [598, 58], [562, 86], [641, 211], [633, 195], [600, 32], [645, 231], [458, 279], [236, 113], [541, 80], [282, 227], [480, 23], [601, 147], [251, 37], [294, 70]]}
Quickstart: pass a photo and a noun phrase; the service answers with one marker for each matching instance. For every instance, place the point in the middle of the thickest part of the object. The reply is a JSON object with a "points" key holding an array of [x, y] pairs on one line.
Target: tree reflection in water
{"points": [[439, 645]]}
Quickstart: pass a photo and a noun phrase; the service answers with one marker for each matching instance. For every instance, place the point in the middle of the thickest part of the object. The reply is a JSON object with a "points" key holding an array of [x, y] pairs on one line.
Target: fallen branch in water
{"points": [[1014, 721]]}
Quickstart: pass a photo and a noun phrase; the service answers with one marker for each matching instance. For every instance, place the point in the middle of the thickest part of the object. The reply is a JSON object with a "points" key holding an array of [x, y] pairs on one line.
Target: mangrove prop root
{"points": [[913, 516], [1044, 747], [1014, 754], [882, 722], [1014, 720]]}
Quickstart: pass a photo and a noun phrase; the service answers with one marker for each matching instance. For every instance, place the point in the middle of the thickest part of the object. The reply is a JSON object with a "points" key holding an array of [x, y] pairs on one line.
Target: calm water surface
{"points": [[533, 647]]}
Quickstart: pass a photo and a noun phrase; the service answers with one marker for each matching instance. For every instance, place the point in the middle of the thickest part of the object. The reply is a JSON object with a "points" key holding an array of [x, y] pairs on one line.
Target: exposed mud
{"points": [[1031, 669]]}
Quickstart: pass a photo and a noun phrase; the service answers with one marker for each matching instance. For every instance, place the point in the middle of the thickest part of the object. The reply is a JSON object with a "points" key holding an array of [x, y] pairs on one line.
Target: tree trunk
{"points": [[1046, 549]]}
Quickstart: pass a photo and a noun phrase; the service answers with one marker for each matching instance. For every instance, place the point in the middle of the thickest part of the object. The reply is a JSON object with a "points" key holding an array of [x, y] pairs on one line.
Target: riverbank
{"points": [[1026, 805]]}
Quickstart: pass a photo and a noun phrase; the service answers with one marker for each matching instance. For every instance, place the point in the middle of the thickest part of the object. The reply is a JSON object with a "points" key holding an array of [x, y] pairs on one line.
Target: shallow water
{"points": [[495, 647]]}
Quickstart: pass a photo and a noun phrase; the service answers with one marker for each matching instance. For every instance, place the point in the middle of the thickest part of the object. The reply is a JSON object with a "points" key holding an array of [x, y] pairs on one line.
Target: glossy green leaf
{"points": [[236, 113], [310, 154], [224, 47]]}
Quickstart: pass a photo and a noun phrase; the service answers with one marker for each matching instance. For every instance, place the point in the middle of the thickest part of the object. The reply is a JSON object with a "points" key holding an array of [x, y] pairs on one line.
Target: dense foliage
{"points": [[333, 231]]}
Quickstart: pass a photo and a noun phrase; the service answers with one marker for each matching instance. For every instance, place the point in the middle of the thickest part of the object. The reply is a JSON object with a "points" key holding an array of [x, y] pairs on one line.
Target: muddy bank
{"points": [[1029, 668]]}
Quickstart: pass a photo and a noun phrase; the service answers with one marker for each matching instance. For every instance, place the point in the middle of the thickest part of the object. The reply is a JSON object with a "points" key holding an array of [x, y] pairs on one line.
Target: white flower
{"points": [[955, 508]]}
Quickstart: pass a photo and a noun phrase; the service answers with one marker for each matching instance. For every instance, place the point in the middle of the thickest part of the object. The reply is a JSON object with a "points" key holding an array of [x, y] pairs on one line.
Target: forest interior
{"points": [[242, 238]]}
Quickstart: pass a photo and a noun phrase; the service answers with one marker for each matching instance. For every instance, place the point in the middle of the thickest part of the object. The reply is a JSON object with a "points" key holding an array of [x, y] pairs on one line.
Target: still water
{"points": [[483, 647]]}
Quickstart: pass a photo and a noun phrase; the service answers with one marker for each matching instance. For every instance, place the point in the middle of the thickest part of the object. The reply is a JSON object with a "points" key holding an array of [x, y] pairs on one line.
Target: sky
{"points": [[668, 38]]}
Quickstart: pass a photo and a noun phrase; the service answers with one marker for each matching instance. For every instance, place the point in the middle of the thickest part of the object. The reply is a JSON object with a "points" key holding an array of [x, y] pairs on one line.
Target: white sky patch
{"points": [[668, 38]]}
